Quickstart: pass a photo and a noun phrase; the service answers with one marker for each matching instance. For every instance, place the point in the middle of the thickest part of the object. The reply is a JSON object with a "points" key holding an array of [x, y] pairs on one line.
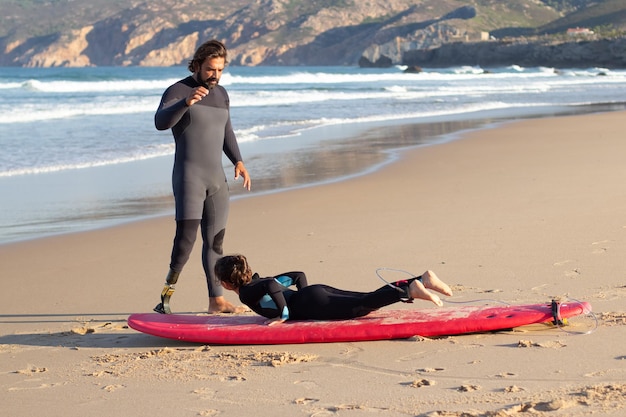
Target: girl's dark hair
{"points": [[234, 270], [209, 49]]}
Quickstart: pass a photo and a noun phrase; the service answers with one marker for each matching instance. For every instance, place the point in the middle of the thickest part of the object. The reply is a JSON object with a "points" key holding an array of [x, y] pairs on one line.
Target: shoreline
{"points": [[367, 147], [523, 212]]}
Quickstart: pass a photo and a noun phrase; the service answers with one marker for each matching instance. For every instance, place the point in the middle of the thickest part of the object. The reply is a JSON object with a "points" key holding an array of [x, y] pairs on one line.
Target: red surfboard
{"points": [[380, 325]]}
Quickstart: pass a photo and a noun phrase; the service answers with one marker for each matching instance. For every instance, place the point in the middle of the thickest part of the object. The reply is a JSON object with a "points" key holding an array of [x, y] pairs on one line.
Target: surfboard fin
{"points": [[556, 314]]}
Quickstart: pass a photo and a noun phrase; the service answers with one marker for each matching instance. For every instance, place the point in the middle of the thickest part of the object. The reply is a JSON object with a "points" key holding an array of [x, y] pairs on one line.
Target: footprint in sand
{"points": [[305, 401], [613, 318], [31, 370], [602, 247], [422, 383], [428, 370], [351, 351], [205, 393], [530, 343], [87, 329], [208, 413], [307, 384], [555, 405], [234, 378], [469, 388], [504, 375], [539, 287], [489, 291], [40, 386], [573, 273]]}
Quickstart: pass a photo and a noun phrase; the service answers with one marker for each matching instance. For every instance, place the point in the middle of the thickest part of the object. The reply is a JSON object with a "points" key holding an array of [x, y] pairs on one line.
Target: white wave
{"points": [[590, 73], [547, 70], [470, 108], [396, 89], [285, 129], [66, 86], [395, 92], [40, 110], [277, 130], [290, 97], [469, 70], [483, 86], [372, 78], [313, 78], [9, 85], [153, 152], [296, 77], [516, 68], [485, 90], [289, 129]]}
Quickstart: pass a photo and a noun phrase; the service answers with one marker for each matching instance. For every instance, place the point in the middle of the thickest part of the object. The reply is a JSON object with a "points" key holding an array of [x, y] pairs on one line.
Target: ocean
{"points": [[79, 150]]}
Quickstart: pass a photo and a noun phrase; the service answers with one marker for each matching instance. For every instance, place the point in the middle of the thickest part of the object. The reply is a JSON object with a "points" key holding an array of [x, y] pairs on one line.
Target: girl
{"points": [[273, 298]]}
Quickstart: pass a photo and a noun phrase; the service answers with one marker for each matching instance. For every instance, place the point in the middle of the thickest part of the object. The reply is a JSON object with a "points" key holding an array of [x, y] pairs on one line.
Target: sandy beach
{"points": [[521, 213]]}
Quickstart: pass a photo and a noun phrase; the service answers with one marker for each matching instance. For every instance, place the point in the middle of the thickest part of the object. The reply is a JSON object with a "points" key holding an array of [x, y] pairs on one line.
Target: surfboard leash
{"points": [[555, 304], [404, 298], [562, 323]]}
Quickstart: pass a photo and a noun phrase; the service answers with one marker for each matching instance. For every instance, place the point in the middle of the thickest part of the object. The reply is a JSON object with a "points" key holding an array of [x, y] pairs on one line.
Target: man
{"points": [[197, 109]]}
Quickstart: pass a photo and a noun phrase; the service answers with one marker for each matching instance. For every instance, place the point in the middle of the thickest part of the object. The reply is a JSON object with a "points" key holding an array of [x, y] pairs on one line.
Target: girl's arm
{"points": [[296, 278]]}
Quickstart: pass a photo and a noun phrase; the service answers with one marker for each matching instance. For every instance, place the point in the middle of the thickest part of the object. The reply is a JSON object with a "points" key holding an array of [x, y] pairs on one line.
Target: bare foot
{"points": [[417, 290], [431, 281], [220, 305]]}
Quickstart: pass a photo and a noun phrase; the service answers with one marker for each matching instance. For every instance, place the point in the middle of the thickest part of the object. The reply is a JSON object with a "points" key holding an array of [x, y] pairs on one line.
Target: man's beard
{"points": [[208, 82]]}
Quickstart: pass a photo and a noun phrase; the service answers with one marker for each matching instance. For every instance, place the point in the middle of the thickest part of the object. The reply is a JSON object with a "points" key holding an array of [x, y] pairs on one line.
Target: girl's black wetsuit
{"points": [[271, 297]]}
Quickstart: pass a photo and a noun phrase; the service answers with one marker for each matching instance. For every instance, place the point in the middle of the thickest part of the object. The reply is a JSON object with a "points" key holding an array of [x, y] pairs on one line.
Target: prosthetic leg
{"points": [[164, 306]]}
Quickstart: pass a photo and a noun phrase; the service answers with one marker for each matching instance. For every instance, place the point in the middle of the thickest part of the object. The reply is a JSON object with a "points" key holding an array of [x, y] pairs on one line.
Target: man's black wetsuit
{"points": [[201, 132], [272, 297]]}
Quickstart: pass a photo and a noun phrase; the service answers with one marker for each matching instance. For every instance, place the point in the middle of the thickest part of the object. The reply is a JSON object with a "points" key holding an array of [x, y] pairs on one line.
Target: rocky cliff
{"points": [[604, 53], [262, 32]]}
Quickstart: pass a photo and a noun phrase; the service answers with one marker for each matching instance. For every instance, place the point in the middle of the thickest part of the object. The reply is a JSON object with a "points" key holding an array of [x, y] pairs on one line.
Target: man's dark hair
{"points": [[209, 49]]}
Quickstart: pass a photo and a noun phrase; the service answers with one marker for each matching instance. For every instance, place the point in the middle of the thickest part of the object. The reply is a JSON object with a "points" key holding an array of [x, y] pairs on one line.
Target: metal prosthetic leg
{"points": [[164, 306]]}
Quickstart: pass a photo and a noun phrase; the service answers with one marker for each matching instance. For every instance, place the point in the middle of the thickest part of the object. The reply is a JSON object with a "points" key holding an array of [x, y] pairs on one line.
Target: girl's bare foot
{"points": [[220, 305], [431, 281], [417, 290]]}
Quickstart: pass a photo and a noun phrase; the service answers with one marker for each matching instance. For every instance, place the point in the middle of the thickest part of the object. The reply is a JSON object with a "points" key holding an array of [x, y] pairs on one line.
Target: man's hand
{"points": [[196, 95], [240, 170]]}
